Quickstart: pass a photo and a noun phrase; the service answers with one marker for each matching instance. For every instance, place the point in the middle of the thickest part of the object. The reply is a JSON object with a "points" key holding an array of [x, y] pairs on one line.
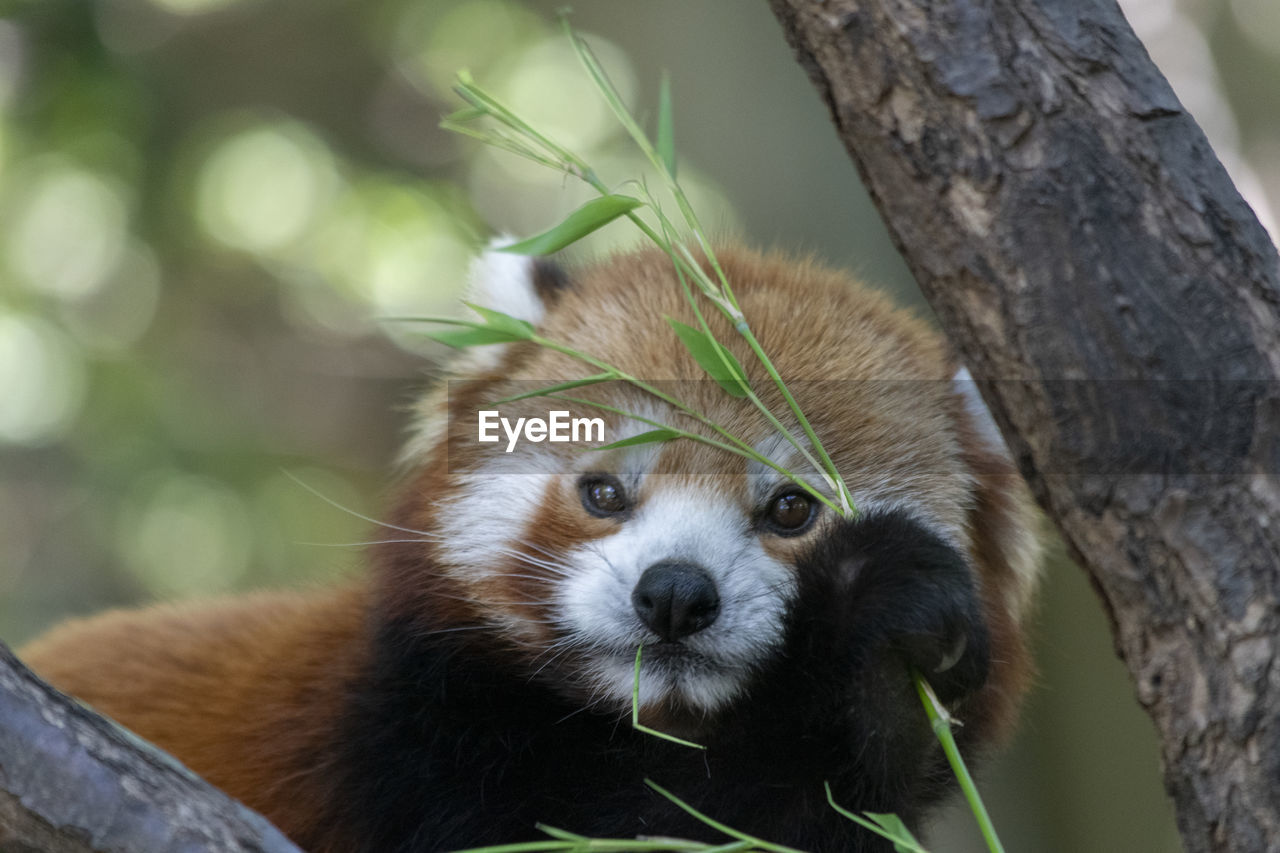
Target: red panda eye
{"points": [[602, 495], [790, 513]]}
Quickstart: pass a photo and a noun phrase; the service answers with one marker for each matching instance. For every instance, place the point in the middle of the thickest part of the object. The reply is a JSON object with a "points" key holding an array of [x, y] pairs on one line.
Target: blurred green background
{"points": [[206, 206]]}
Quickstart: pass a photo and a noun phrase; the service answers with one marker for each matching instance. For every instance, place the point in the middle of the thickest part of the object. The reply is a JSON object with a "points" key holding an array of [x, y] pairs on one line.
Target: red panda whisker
{"points": [[557, 656], [557, 569], [539, 578], [365, 543], [535, 547], [598, 550], [370, 519], [769, 592], [455, 629], [531, 602], [467, 599], [552, 559]]}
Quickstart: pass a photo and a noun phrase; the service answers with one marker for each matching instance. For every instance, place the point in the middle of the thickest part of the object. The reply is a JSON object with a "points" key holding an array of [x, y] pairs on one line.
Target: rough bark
{"points": [[1092, 262], [73, 782]]}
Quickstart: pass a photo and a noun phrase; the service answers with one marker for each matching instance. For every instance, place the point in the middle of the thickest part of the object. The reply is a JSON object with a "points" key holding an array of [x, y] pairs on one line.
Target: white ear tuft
{"points": [[967, 388], [505, 282]]}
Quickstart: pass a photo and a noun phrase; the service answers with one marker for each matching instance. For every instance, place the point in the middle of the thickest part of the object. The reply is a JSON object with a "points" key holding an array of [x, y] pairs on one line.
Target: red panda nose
{"points": [[676, 599]]}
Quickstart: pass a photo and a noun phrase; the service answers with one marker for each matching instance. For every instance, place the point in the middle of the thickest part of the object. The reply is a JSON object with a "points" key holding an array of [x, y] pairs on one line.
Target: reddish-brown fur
{"points": [[244, 691]]}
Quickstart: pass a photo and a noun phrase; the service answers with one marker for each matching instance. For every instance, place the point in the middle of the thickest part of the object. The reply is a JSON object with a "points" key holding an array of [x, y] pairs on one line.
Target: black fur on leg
{"points": [[880, 596]]}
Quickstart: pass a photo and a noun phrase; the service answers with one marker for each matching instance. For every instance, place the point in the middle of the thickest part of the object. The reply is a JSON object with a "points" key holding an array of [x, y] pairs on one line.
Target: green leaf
{"points": [[473, 337], [555, 389], [666, 127], [903, 840], [523, 329], [464, 115], [592, 216], [648, 437], [707, 351], [562, 834]]}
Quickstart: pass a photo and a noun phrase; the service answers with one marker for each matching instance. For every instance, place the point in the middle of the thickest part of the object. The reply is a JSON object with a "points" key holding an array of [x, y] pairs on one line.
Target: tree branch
{"points": [[1092, 262], [73, 782]]}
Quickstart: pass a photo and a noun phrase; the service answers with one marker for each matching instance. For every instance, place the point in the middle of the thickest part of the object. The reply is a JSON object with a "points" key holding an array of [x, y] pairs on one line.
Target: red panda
{"points": [[477, 680]]}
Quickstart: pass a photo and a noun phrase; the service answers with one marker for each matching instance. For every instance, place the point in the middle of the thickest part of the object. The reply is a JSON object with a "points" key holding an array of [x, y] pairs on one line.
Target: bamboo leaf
{"points": [[523, 329], [904, 843], [715, 824], [555, 389], [562, 834], [592, 216], [463, 115], [648, 437], [717, 361], [473, 337], [666, 127], [903, 840]]}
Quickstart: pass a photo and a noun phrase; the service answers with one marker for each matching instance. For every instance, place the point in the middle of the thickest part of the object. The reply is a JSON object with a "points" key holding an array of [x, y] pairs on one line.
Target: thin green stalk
{"points": [[836, 485], [717, 825], [740, 448], [610, 845], [868, 825], [940, 720], [743, 448], [522, 847], [635, 710], [845, 497], [482, 100], [608, 371], [610, 94]]}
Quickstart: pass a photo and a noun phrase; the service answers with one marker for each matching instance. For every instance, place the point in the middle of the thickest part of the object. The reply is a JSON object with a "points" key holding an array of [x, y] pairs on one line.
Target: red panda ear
{"points": [[962, 383], [514, 284], [519, 285], [1005, 546], [1002, 521]]}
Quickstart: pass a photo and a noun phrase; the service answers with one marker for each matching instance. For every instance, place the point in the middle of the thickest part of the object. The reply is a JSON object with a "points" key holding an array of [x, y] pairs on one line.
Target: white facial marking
{"points": [[511, 499], [704, 528]]}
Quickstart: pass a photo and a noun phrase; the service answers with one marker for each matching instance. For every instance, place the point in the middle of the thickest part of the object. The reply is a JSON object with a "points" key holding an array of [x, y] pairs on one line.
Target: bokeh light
{"points": [[262, 188], [186, 535], [41, 380], [431, 46], [112, 318], [193, 7], [69, 230], [546, 85], [314, 513]]}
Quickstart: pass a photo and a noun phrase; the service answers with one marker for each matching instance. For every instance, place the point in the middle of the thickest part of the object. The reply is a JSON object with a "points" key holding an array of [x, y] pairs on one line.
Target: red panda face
{"points": [[570, 558]]}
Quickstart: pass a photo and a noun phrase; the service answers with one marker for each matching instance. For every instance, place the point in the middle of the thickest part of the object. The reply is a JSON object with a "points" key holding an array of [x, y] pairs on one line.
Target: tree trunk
{"points": [[1095, 267], [73, 782]]}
